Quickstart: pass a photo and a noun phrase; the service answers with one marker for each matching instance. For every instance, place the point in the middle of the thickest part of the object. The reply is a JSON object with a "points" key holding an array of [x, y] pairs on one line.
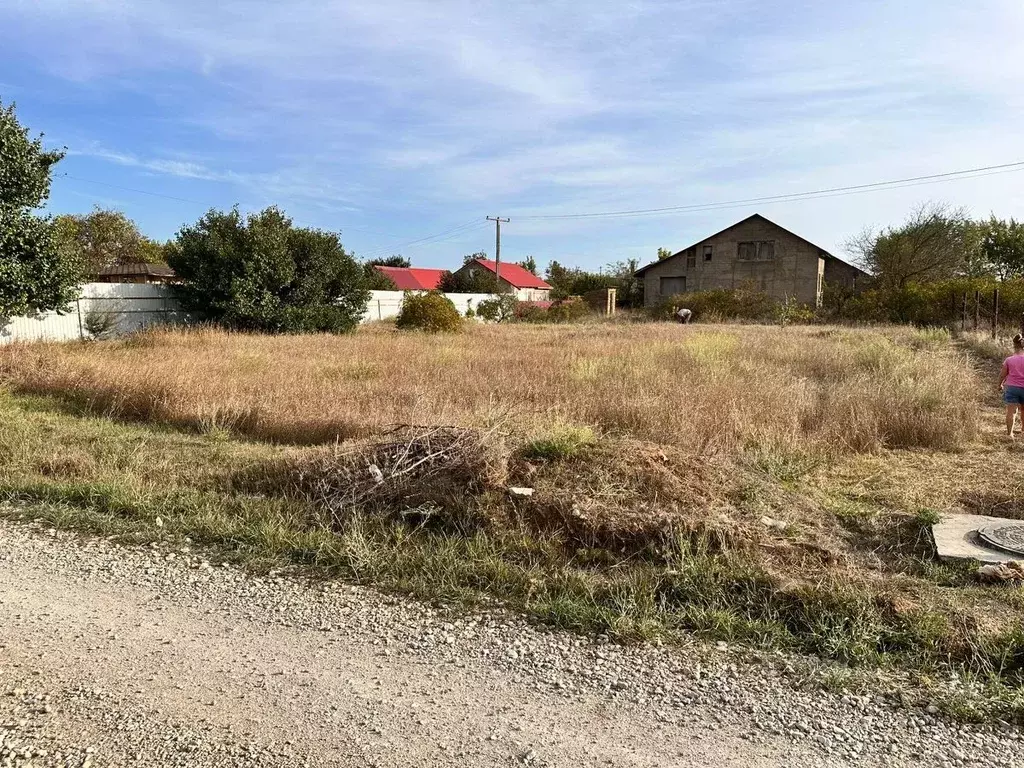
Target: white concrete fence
{"points": [[385, 304], [129, 307]]}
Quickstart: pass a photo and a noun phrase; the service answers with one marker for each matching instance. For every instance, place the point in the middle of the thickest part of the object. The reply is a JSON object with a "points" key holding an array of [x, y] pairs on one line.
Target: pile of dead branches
{"points": [[409, 469]]}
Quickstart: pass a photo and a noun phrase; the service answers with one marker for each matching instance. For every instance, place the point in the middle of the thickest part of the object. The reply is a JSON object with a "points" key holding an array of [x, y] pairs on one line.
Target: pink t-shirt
{"points": [[1015, 365]]}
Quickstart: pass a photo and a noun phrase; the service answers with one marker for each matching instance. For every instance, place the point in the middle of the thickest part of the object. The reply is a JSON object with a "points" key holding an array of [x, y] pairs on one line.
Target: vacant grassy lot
{"points": [[705, 390], [768, 485]]}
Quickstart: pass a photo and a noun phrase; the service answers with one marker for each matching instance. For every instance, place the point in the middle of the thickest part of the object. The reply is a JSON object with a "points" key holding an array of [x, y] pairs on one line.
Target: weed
{"points": [[562, 443], [926, 518]]}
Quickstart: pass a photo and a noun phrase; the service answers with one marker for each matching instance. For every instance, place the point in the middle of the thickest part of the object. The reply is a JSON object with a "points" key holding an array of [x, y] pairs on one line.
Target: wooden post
{"points": [[963, 316], [977, 310], [995, 313], [81, 329]]}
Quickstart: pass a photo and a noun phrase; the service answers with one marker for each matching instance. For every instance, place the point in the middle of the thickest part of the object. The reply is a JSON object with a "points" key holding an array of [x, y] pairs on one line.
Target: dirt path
{"points": [[119, 657]]}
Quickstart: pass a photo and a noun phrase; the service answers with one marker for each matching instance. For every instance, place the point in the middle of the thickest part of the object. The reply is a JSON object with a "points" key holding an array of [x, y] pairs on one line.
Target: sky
{"points": [[403, 124]]}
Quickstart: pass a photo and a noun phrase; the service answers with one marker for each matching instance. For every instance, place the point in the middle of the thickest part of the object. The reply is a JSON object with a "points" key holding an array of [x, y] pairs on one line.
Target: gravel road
{"points": [[113, 656]]}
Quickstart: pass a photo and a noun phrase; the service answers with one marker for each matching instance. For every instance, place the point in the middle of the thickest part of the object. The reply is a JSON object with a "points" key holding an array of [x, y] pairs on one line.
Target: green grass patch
{"points": [[562, 443]]}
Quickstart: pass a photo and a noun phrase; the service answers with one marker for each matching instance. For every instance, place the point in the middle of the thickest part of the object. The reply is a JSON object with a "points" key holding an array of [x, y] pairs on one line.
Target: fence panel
{"points": [[132, 306]]}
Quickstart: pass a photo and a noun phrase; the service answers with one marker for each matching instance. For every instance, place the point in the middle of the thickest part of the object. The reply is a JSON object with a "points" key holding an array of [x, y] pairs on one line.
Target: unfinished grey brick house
{"points": [[755, 252]]}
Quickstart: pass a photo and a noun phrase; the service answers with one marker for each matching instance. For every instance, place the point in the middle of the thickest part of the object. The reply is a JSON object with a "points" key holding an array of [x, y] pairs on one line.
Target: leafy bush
{"points": [[497, 309], [792, 311], [938, 303], [568, 310], [528, 312], [261, 273], [432, 312], [101, 324], [719, 304]]}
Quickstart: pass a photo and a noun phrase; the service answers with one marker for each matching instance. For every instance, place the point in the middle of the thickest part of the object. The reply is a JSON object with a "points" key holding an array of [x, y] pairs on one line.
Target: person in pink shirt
{"points": [[1011, 381]]}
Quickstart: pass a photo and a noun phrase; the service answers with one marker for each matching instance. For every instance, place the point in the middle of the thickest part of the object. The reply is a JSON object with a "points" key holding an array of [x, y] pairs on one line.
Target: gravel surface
{"points": [[113, 656]]}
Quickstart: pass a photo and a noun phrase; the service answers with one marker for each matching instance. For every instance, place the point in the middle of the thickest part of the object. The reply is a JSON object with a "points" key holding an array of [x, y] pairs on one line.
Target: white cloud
{"points": [[446, 108]]}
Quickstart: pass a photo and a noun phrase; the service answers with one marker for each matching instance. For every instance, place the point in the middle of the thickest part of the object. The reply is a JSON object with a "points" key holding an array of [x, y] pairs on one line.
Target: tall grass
{"points": [[701, 389]]}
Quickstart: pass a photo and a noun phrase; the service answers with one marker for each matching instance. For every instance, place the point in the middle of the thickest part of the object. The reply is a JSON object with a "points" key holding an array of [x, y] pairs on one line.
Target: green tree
{"points": [[153, 252], [34, 275], [261, 273], [529, 264], [1002, 244], [478, 280], [936, 242], [103, 238], [629, 287], [663, 253], [377, 280], [572, 281], [395, 260], [560, 279]]}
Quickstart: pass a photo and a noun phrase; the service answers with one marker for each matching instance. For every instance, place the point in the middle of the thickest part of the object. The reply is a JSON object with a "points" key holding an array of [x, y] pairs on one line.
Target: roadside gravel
{"points": [[157, 656]]}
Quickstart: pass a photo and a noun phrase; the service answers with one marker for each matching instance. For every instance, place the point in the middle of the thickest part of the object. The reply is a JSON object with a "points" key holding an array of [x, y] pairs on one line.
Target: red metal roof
{"points": [[413, 278], [515, 275]]}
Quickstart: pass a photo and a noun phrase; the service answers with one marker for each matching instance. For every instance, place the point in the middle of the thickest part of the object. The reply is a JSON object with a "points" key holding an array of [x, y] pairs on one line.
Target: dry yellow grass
{"points": [[701, 389]]}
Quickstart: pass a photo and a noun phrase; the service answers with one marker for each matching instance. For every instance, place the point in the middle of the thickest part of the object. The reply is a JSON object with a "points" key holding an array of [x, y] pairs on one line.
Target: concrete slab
{"points": [[956, 536]]}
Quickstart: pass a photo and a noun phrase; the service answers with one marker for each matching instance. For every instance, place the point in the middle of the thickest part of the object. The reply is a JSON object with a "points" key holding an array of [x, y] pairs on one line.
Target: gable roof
{"points": [[756, 216], [413, 278], [516, 276]]}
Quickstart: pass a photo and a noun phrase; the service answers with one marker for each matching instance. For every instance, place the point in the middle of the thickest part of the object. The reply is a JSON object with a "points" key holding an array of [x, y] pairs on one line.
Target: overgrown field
{"points": [[768, 485]]}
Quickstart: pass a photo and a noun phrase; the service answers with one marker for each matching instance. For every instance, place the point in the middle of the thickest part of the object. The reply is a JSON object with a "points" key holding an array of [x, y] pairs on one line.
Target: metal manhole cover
{"points": [[1009, 538]]}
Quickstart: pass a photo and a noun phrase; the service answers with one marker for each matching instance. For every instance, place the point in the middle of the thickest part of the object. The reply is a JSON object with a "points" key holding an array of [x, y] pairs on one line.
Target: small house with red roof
{"points": [[513, 279], [413, 278]]}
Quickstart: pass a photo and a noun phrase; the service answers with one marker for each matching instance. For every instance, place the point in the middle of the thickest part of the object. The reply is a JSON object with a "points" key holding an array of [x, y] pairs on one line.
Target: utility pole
{"points": [[497, 248]]}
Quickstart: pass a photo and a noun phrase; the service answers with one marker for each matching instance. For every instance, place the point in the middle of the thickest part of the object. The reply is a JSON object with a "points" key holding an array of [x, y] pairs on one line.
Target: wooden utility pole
{"points": [[497, 247]]}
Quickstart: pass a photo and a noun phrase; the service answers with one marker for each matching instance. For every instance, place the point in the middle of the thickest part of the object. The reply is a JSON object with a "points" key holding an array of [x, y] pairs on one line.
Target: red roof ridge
{"points": [[515, 275], [413, 278]]}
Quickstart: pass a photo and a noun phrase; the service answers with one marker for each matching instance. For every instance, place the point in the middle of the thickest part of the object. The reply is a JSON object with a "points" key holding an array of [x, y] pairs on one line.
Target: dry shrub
{"points": [[419, 470]]}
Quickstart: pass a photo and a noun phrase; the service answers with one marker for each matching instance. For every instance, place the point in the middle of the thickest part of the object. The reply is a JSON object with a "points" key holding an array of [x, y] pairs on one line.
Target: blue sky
{"points": [[394, 120]]}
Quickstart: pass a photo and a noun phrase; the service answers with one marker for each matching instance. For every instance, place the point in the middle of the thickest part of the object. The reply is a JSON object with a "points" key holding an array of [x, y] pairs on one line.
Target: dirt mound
{"points": [[629, 494], [621, 495]]}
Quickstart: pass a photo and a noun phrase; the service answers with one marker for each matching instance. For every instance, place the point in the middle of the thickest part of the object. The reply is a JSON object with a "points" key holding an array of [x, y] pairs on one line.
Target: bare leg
{"points": [[1011, 412]]}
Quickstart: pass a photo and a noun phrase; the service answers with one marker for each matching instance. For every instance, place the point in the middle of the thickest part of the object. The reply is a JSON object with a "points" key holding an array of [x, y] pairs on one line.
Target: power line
{"points": [[435, 238], [131, 189], [185, 199], [828, 192]]}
